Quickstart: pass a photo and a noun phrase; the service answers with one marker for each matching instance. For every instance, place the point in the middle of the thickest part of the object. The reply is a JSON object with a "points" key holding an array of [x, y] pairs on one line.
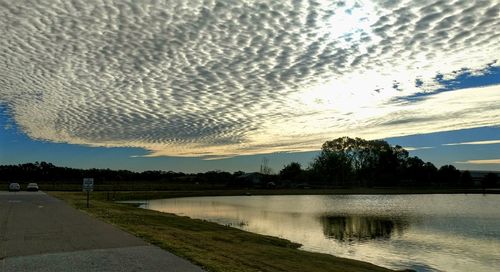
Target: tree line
{"points": [[342, 162], [356, 162], [48, 172]]}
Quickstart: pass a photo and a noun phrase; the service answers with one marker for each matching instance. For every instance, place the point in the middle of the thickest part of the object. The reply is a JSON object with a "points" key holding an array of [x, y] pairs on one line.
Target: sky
{"points": [[195, 86]]}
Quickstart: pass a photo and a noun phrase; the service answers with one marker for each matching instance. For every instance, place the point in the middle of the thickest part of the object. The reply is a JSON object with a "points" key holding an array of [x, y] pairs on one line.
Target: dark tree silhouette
{"points": [[448, 175], [291, 172], [355, 161], [342, 162], [333, 168]]}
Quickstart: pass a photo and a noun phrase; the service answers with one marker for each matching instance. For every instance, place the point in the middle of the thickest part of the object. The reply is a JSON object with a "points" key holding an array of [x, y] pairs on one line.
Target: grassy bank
{"points": [[212, 246]]}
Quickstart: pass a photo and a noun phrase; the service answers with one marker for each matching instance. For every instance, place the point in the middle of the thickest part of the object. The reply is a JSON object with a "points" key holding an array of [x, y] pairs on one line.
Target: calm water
{"points": [[422, 232]]}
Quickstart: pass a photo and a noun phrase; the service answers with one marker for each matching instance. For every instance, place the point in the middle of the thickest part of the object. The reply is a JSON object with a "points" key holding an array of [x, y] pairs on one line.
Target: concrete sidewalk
{"points": [[41, 233]]}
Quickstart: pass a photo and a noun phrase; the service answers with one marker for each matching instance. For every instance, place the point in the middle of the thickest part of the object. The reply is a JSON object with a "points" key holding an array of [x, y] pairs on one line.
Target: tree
{"points": [[390, 162], [332, 167], [291, 171], [430, 171], [420, 173], [371, 162], [355, 151], [448, 175]]}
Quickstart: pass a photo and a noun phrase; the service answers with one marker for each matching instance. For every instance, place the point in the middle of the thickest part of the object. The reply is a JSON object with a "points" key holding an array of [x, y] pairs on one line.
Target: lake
{"points": [[423, 232]]}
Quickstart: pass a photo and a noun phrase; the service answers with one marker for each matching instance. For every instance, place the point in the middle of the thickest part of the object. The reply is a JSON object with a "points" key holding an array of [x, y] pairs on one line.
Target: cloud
{"points": [[411, 148], [492, 161], [223, 78], [476, 143]]}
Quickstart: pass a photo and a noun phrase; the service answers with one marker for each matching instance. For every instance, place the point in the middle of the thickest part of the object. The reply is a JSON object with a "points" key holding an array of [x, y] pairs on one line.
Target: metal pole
{"points": [[88, 194]]}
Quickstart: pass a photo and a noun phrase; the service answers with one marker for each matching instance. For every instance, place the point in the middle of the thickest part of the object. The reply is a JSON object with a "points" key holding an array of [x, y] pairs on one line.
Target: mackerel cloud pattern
{"points": [[226, 78]]}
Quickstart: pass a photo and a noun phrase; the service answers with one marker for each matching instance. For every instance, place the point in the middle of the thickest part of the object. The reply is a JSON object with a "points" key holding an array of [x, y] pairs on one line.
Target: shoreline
{"points": [[147, 195]]}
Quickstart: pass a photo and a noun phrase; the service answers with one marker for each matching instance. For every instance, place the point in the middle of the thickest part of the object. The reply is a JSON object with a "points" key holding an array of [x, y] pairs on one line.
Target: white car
{"points": [[32, 187], [14, 187]]}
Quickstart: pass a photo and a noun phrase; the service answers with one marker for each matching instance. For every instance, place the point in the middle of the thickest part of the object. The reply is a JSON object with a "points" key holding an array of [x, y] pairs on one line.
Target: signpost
{"points": [[88, 186]]}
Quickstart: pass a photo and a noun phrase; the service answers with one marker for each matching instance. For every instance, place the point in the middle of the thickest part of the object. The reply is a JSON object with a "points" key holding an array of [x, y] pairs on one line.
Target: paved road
{"points": [[41, 233]]}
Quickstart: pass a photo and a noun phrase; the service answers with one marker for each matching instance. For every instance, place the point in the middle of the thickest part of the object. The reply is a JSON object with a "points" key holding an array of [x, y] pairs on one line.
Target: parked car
{"points": [[14, 187], [32, 187]]}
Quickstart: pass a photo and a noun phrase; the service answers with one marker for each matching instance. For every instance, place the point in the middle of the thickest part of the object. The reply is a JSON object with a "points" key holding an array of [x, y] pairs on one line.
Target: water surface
{"points": [[421, 232]]}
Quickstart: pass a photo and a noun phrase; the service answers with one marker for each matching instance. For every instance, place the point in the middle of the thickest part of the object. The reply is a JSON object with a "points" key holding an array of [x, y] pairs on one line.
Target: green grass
{"points": [[212, 246]]}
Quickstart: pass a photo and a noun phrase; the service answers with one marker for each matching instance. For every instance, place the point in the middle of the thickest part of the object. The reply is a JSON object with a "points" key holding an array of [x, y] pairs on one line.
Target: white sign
{"points": [[88, 184]]}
